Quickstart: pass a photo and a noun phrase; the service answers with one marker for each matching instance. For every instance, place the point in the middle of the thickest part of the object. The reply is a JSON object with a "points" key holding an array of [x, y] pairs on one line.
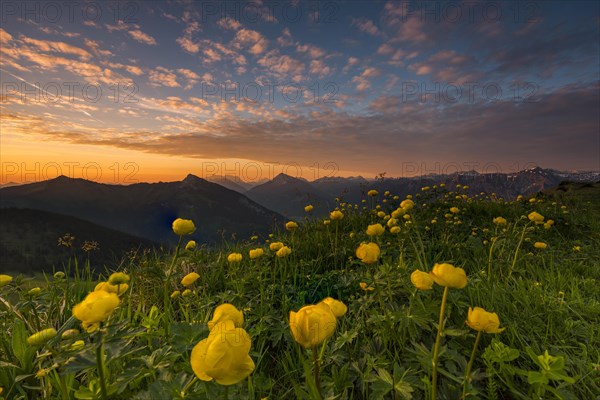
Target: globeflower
{"points": [[312, 324], [421, 280], [449, 276], [336, 215], [499, 221], [365, 287], [256, 253], [41, 337], [107, 287], [191, 245], [375, 230], [226, 312], [291, 226], [540, 245], [118, 278], [395, 229], [234, 258], [536, 217], [5, 280], [454, 210], [368, 252], [372, 193], [308, 208], [275, 246], [407, 204], [283, 252], [182, 227], [223, 355], [189, 279], [95, 308], [483, 321], [338, 308]]}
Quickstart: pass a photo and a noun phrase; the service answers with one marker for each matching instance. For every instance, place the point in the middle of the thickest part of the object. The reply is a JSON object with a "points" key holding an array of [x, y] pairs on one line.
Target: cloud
{"points": [[142, 37], [282, 66], [161, 76], [312, 51], [95, 47], [367, 26], [253, 40], [186, 42], [57, 47], [192, 77], [229, 24]]}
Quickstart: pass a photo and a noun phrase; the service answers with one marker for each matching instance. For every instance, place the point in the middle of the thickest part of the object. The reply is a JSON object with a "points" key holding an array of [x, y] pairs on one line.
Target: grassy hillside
{"points": [[29, 242], [542, 280]]}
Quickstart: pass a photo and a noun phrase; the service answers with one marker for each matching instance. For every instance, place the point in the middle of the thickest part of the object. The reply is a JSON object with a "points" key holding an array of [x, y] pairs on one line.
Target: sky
{"points": [[146, 91]]}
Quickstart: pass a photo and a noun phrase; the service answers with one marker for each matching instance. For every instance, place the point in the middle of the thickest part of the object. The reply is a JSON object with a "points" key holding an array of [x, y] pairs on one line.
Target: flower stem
{"points": [[517, 250], [470, 365], [168, 277], [226, 393], [101, 368], [316, 373], [436, 349]]}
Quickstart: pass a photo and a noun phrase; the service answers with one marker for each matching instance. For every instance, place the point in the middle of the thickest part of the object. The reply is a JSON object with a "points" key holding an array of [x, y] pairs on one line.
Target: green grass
{"points": [[548, 300]]}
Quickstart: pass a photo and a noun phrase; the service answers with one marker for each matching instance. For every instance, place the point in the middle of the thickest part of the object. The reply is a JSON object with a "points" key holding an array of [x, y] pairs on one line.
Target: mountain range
{"points": [[142, 213]]}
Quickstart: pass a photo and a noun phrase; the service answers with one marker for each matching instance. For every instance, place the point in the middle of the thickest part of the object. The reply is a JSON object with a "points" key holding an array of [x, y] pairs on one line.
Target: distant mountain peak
{"points": [[284, 178], [191, 178]]}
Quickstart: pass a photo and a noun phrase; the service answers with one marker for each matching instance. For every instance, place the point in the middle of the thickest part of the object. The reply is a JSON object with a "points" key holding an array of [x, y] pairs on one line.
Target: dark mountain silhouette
{"points": [[288, 196], [29, 242], [148, 209]]}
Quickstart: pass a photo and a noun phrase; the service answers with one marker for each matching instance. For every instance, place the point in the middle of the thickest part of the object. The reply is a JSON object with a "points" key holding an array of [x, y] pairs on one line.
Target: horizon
{"points": [[150, 91], [233, 178]]}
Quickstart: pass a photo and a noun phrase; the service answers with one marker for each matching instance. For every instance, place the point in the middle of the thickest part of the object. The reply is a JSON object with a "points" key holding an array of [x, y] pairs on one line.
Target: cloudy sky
{"points": [[147, 91]]}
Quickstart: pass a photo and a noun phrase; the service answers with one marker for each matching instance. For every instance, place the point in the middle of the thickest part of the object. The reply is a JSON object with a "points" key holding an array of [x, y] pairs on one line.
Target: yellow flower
{"points": [[421, 280], [275, 246], [454, 210], [540, 245], [34, 291], [312, 324], [234, 257], [41, 337], [107, 287], [95, 308], [392, 222], [372, 193], [499, 221], [483, 321], [283, 252], [291, 226], [449, 275], [256, 253], [189, 279], [381, 214], [226, 312], [223, 355], [535, 217], [191, 245], [77, 345], [338, 308], [577, 248], [308, 208], [395, 229], [5, 280], [175, 294], [368, 252], [118, 278], [365, 287], [407, 204], [336, 215], [183, 227], [69, 333], [186, 293], [327, 222], [59, 275], [375, 230]]}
